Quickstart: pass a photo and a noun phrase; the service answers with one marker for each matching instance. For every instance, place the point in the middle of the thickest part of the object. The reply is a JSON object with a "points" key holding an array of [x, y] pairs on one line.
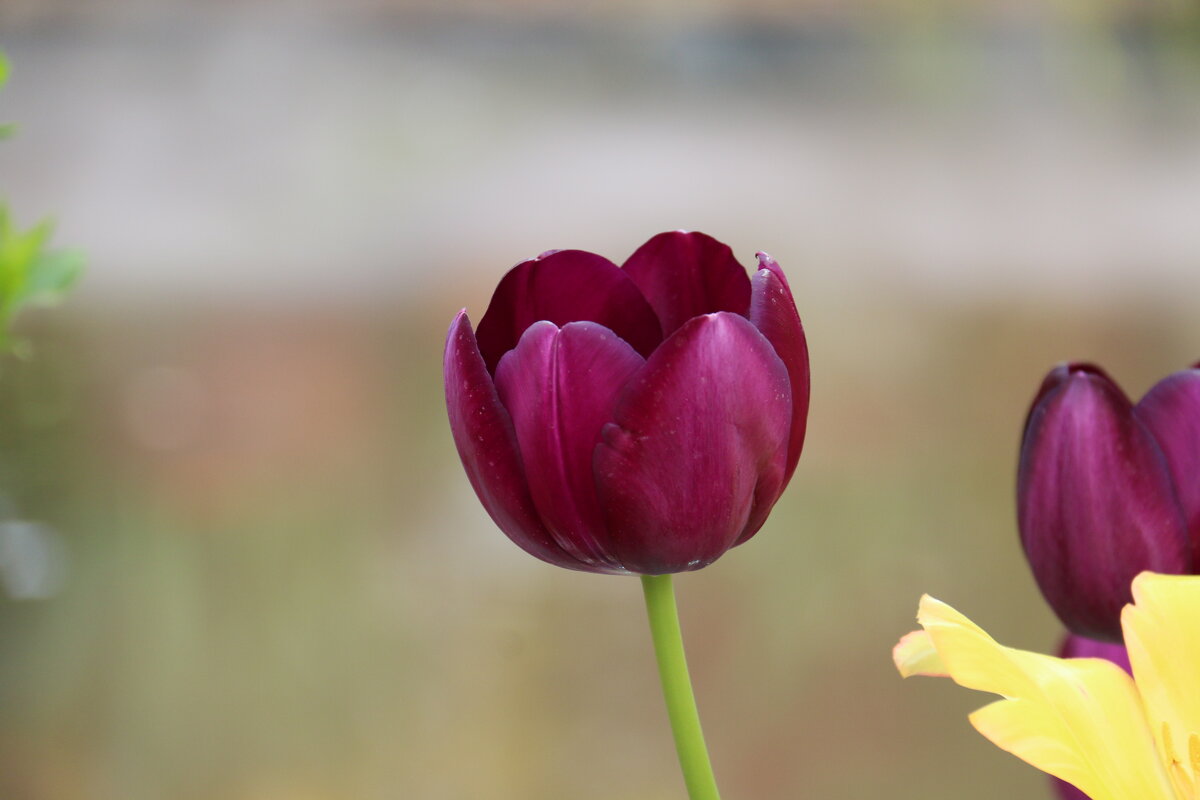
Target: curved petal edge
{"points": [[560, 386], [773, 312], [486, 442], [562, 286], [685, 274], [697, 447]]}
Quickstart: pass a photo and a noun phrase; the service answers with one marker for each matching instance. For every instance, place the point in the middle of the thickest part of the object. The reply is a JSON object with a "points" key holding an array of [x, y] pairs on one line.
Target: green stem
{"points": [[677, 688]]}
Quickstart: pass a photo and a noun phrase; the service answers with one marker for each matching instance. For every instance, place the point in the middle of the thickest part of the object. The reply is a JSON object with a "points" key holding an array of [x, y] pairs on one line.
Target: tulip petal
{"points": [[560, 387], [1056, 378], [685, 274], [773, 312], [1066, 791], [1164, 648], [1171, 410], [1076, 646], [1080, 720], [562, 286], [1095, 502], [697, 446], [487, 445]]}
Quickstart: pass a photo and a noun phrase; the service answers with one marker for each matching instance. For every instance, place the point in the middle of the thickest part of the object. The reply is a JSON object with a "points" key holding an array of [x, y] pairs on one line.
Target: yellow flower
{"points": [[1084, 719]]}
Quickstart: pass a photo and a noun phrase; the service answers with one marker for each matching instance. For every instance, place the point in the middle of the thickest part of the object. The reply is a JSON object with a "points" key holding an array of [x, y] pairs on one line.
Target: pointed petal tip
{"points": [[767, 262], [915, 654], [460, 339], [1065, 372]]}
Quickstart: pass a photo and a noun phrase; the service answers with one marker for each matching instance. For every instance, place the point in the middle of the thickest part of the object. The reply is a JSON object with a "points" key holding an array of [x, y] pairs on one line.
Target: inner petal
{"points": [[566, 286], [685, 274], [560, 386]]}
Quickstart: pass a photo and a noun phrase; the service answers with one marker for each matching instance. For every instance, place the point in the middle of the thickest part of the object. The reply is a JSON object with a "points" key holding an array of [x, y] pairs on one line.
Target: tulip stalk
{"points": [[677, 688]]}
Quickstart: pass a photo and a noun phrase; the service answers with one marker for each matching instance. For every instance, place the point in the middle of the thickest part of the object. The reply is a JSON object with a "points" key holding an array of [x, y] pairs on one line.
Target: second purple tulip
{"points": [[1106, 489]]}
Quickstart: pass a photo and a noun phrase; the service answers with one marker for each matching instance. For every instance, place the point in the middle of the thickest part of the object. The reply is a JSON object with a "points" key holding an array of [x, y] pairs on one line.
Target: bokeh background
{"points": [[238, 557]]}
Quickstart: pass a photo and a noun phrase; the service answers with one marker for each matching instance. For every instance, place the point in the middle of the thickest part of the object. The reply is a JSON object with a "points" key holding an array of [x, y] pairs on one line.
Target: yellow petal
{"points": [[1162, 633], [1078, 719], [915, 654], [1019, 726]]}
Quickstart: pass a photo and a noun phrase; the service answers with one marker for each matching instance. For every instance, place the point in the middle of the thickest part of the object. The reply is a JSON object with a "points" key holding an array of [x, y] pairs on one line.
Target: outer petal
{"points": [[697, 447], [560, 387], [487, 446], [563, 286], [1171, 410], [1095, 502], [1080, 719], [1162, 631], [685, 274], [773, 312]]}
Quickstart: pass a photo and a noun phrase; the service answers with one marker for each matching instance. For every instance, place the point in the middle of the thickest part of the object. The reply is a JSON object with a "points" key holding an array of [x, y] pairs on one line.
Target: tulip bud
{"points": [[1075, 646], [636, 419], [1095, 500], [1171, 412]]}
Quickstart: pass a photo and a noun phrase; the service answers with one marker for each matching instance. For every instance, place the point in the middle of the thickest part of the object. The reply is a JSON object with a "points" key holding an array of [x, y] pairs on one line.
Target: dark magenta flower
{"points": [[634, 419], [1171, 412], [1076, 646], [1106, 489]]}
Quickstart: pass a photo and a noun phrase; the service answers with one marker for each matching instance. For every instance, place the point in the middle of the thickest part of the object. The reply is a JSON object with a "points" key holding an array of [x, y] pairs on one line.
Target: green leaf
{"points": [[5, 130], [30, 274], [48, 278]]}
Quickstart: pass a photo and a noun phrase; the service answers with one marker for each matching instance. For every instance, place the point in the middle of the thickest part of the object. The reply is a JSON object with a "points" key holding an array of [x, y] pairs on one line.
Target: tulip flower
{"points": [[640, 419], [636, 419], [1171, 412], [1076, 646], [1085, 721], [1099, 497]]}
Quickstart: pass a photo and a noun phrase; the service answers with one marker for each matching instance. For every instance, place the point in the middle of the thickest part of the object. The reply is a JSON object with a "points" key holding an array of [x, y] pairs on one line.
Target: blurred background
{"points": [[239, 559]]}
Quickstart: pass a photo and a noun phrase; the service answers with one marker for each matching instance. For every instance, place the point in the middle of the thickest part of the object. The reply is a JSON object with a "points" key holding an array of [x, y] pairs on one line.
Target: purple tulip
{"points": [[1171, 412], [1075, 646], [1067, 791], [1081, 647], [1096, 500], [635, 419]]}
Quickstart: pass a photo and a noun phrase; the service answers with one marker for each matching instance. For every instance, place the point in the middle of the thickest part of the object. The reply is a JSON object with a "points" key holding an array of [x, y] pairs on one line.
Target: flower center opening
{"points": [[1182, 773]]}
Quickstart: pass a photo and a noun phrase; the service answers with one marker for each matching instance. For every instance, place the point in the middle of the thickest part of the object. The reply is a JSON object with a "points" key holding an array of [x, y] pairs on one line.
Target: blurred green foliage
{"points": [[30, 272]]}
